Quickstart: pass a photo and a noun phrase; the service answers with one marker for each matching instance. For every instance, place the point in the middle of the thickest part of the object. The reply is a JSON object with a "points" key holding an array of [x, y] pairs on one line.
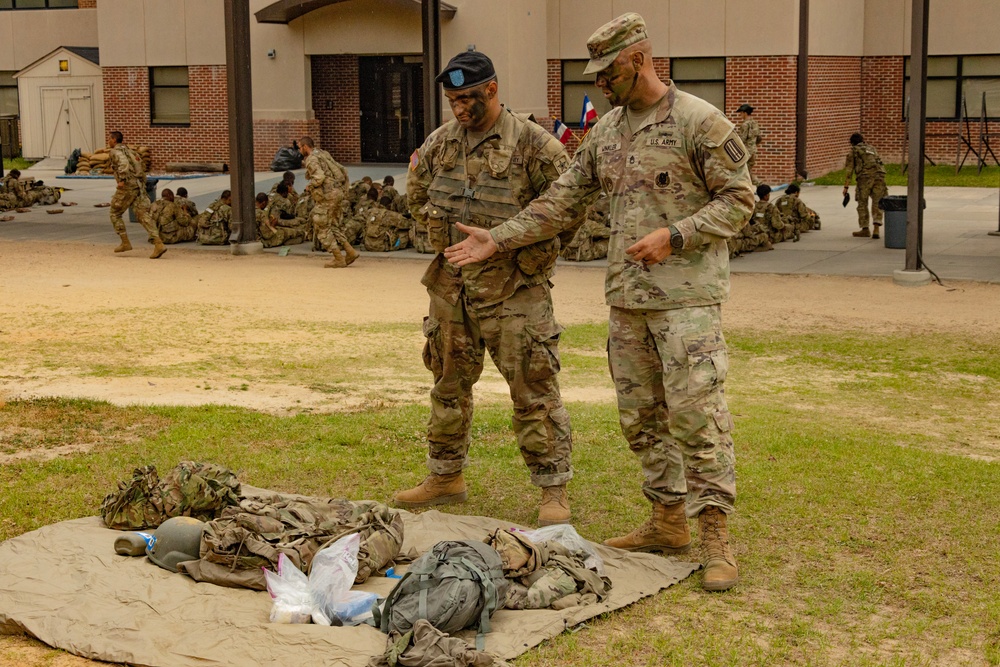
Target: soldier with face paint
{"points": [[675, 172]]}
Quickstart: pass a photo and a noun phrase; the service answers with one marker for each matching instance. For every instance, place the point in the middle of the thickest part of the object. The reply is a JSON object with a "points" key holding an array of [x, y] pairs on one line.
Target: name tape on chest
{"points": [[611, 148]]}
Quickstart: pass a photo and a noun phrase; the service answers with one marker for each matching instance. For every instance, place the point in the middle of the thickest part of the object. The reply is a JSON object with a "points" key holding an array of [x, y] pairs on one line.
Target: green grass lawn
{"points": [[868, 475], [16, 163], [941, 175]]}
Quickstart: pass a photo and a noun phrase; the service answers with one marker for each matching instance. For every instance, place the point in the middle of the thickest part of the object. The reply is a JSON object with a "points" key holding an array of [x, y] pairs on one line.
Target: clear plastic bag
{"points": [[289, 588], [330, 579], [567, 536]]}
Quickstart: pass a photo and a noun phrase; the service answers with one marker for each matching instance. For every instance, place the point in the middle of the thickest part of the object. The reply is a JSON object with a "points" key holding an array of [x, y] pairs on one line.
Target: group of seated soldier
{"points": [[591, 239], [375, 216], [15, 193], [785, 220]]}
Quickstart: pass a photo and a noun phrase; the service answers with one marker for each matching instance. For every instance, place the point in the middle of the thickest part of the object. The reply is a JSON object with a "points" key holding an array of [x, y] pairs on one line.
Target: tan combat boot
{"points": [[158, 249], [124, 246], [875, 228], [666, 532], [555, 506], [350, 254], [337, 261], [721, 572], [434, 490], [863, 232]]}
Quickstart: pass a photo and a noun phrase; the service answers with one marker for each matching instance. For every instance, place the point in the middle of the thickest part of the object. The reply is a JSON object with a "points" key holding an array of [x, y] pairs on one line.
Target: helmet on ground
{"points": [[177, 540]]}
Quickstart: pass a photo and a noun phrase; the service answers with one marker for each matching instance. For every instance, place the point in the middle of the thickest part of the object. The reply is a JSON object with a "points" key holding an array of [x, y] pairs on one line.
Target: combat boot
{"points": [[875, 229], [124, 246], [337, 259], [350, 254], [158, 249], [863, 233], [555, 506], [666, 531], [434, 490], [717, 556]]}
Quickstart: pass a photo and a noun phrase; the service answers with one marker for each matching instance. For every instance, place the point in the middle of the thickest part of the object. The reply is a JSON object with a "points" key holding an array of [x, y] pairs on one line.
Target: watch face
{"points": [[676, 240]]}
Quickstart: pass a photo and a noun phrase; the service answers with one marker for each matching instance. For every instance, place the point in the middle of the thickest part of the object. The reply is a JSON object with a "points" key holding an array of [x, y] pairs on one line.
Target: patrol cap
{"points": [[467, 69], [745, 108], [609, 40]]}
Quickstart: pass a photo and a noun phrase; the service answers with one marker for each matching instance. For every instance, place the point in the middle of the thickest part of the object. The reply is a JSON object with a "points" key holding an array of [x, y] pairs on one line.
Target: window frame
{"points": [[684, 81], [959, 78], [154, 86], [17, 94], [575, 124], [15, 8]]}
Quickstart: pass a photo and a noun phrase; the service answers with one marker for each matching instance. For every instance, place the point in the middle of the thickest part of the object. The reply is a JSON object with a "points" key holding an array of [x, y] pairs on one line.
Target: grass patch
{"points": [[939, 176], [16, 163]]}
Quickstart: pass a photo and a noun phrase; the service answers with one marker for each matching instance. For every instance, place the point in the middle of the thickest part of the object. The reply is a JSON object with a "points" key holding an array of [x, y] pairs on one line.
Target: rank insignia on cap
{"points": [[457, 77]]}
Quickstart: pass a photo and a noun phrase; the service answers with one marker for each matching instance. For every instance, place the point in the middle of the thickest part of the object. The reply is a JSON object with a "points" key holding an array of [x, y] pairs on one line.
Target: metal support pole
{"points": [[431, 12], [243, 226], [996, 233], [802, 92], [918, 116]]}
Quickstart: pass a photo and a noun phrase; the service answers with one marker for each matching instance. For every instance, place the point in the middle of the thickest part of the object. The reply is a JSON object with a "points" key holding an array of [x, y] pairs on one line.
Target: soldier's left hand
{"points": [[651, 248], [477, 247]]}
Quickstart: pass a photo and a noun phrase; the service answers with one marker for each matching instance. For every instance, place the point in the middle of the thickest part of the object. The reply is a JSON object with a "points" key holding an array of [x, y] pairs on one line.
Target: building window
{"points": [[576, 85], [39, 4], [169, 96], [8, 94], [701, 77], [952, 78]]}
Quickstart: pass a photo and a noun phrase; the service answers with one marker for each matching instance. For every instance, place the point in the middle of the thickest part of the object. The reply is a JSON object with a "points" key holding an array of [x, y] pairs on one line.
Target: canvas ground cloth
{"points": [[64, 585]]}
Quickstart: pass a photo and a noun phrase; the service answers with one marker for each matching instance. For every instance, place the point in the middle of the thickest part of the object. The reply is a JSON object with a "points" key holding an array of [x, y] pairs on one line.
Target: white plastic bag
{"points": [[330, 579], [567, 536], [289, 588]]}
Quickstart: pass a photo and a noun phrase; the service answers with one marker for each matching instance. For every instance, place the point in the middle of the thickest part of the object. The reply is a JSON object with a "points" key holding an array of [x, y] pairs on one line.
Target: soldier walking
{"points": [[131, 180], [864, 161], [327, 187], [675, 171], [480, 169]]}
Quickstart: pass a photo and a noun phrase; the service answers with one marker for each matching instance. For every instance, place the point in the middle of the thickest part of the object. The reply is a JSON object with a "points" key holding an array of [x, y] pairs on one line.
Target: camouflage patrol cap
{"points": [[609, 40]]}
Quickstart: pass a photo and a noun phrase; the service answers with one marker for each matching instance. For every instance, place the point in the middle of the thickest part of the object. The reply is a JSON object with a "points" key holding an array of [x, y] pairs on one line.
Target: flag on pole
{"points": [[562, 132], [589, 115]]}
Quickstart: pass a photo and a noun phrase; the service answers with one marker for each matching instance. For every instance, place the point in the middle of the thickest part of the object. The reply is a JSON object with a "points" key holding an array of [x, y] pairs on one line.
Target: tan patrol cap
{"points": [[609, 40]]}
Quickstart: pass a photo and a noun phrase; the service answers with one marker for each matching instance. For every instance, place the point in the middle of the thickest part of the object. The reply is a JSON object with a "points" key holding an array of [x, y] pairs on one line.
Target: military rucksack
{"points": [[455, 585]]}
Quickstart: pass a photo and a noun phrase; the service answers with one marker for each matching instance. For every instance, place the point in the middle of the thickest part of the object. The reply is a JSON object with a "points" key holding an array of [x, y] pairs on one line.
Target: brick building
{"points": [[350, 71]]}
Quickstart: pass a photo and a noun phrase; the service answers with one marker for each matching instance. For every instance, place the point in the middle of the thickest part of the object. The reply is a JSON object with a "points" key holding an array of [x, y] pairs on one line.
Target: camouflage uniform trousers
{"points": [[522, 337], [870, 188], [327, 228], [130, 195], [669, 367]]}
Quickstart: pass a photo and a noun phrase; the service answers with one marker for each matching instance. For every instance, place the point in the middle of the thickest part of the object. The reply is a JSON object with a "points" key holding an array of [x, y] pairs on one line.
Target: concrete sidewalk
{"points": [[957, 245]]}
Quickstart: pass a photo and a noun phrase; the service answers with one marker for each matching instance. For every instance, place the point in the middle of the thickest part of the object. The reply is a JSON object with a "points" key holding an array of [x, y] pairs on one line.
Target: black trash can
{"points": [[151, 184], [895, 220]]}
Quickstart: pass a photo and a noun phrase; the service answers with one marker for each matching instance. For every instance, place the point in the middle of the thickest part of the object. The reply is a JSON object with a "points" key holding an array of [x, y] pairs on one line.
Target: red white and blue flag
{"points": [[589, 115], [561, 131]]}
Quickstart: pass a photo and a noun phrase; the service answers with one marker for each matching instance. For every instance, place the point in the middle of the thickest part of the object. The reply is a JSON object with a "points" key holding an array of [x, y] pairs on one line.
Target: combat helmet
{"points": [[177, 540]]}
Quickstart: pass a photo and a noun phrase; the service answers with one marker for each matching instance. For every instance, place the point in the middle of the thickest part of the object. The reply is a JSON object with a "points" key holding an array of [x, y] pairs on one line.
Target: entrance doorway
{"points": [[392, 107], [67, 120]]}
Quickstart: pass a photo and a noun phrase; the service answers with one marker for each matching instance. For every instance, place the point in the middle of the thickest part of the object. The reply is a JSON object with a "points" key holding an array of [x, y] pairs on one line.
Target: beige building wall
{"points": [[282, 85], [955, 27], [154, 33], [365, 27], [836, 27], [26, 36]]}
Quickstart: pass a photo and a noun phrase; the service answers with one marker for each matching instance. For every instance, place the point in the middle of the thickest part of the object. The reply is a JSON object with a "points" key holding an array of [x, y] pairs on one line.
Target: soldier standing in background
{"points": [[675, 171], [131, 180], [749, 131], [482, 168], [327, 186], [864, 161]]}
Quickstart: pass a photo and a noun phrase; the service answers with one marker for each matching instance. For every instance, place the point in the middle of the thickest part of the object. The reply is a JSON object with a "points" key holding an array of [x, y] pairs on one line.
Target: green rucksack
{"points": [[455, 585]]}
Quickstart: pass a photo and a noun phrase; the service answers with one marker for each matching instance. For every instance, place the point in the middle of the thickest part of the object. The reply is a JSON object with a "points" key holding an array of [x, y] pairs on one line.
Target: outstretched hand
{"points": [[477, 247]]}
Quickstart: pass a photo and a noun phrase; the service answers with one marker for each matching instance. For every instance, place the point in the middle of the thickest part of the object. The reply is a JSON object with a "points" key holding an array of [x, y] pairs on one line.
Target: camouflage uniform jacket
{"points": [[766, 214], [15, 190], [483, 186], [282, 205], [749, 131], [187, 205], [864, 161], [793, 210], [327, 178], [127, 167], [686, 169], [380, 229], [293, 196], [168, 217], [213, 224]]}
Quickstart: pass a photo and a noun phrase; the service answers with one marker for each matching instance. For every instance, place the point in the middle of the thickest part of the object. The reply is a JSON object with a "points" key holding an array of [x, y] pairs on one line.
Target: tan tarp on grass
{"points": [[64, 585]]}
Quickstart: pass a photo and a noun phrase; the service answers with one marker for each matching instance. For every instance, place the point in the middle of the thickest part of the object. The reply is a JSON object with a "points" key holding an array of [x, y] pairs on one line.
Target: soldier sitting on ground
{"points": [[355, 225], [213, 222], [283, 213], [288, 178], [181, 199], [385, 229], [173, 221], [17, 194], [272, 232], [795, 212], [765, 213]]}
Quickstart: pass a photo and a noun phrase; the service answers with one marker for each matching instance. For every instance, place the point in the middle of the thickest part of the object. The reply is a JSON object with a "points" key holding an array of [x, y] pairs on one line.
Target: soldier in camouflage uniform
{"points": [[418, 232], [795, 212], [131, 191], [327, 187], [283, 212], [181, 199], [17, 194], [288, 178], [482, 168], [272, 232], [749, 132], [173, 221], [864, 161], [767, 216], [592, 239], [43, 195], [354, 225], [386, 230], [675, 171], [213, 222]]}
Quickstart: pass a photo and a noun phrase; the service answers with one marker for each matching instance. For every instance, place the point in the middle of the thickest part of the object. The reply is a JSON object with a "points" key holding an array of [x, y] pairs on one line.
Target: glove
{"points": [[847, 199]]}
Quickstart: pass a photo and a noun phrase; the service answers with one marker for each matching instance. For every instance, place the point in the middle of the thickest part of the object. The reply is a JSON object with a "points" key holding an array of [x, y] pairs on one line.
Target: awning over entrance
{"points": [[285, 11]]}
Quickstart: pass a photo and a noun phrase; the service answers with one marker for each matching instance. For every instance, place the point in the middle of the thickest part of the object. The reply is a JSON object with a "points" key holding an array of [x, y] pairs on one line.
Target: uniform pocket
{"points": [[432, 346], [708, 363], [542, 354]]}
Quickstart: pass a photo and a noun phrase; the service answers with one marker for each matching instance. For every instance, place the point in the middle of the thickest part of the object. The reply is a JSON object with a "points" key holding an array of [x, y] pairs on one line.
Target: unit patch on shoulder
{"points": [[414, 161], [733, 149]]}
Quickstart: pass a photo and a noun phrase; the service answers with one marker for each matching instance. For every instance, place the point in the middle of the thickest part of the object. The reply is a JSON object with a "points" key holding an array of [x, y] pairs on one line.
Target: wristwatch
{"points": [[676, 239]]}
